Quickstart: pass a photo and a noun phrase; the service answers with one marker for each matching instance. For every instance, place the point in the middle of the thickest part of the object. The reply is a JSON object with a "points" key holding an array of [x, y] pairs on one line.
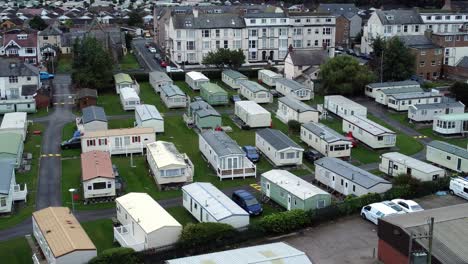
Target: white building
{"points": [[395, 164], [61, 238], [10, 191], [93, 118], [232, 78], [252, 114], [278, 148], [449, 156], [372, 88], [144, 223], [208, 204], [325, 140], [443, 21], [255, 92], [401, 102], [15, 123], [305, 64], [427, 112], [293, 89], [169, 167], [148, 116], [342, 106], [451, 124], [268, 77], [225, 155], [159, 79], [173, 97], [369, 132], [129, 98], [196, 79], [292, 109], [97, 175]]}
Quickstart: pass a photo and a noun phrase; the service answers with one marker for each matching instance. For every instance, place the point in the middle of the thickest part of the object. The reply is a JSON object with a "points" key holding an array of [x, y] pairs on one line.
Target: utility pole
{"points": [[431, 231], [428, 235], [381, 66]]}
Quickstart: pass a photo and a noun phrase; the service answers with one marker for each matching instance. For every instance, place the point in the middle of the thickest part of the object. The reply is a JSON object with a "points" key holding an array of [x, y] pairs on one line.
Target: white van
{"points": [[459, 186], [373, 212]]}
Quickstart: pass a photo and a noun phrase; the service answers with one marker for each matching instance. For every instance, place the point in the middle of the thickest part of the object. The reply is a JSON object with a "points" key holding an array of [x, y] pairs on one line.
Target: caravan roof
{"points": [[14, 120], [252, 107], [368, 125], [148, 112], [202, 109], [341, 100], [270, 73], [165, 153], [449, 148], [277, 139], [160, 76], [389, 85], [291, 84], [253, 86], [93, 113], [293, 184], [197, 76], [402, 90], [296, 104], [414, 95], [411, 162], [221, 143], [172, 90], [128, 93], [6, 173], [324, 132], [441, 105], [234, 74]]}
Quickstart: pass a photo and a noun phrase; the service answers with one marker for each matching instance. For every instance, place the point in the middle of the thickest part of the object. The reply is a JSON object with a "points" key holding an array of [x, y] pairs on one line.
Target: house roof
{"points": [[293, 184], [338, 9], [234, 74], [165, 154], [297, 105], [172, 90], [252, 86], [352, 173], [324, 132], [93, 113], [197, 76], [399, 17], [251, 107], [95, 164], [293, 85], [453, 117], [119, 132], [277, 139], [14, 120], [86, 92], [7, 169], [308, 57], [15, 67], [160, 76], [51, 31], [202, 109], [411, 162], [122, 78], [62, 231], [214, 201], [221, 143], [442, 105], [29, 41], [449, 148], [207, 21], [418, 42], [394, 84], [148, 214], [10, 143], [278, 253], [147, 112], [212, 88], [368, 125], [391, 91]]}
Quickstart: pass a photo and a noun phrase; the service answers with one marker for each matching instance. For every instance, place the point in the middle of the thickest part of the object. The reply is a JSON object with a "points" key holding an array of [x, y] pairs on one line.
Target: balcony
{"points": [[190, 168], [248, 170], [19, 194], [122, 234]]}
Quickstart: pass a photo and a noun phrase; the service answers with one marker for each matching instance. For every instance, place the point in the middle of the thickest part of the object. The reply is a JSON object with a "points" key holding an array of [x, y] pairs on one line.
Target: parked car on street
{"points": [[408, 206], [163, 64], [373, 212], [235, 98], [73, 143], [251, 153], [247, 201], [157, 56], [173, 69], [152, 49], [46, 76], [312, 155]]}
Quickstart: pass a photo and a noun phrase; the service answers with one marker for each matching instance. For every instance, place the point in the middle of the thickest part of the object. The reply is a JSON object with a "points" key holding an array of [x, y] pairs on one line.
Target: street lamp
{"points": [[72, 190]]}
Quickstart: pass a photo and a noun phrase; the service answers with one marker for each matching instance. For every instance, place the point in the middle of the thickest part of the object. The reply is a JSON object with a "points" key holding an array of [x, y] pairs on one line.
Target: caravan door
{"points": [[267, 189], [390, 168], [289, 202]]}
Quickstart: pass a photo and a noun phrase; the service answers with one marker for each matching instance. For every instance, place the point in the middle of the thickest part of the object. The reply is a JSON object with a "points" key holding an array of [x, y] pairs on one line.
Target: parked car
{"points": [[274, 93], [459, 186], [173, 69], [73, 143], [197, 98], [408, 206], [163, 64], [312, 155], [394, 206], [147, 44], [152, 49], [373, 212], [247, 201], [235, 98], [45, 76], [251, 153], [157, 56]]}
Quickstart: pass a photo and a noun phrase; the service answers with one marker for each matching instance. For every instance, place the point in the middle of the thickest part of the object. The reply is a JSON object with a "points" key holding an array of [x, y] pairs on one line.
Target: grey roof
{"points": [[443, 105], [449, 148], [203, 109], [291, 84], [463, 63], [86, 92], [208, 21], [393, 84], [308, 57], [253, 86], [326, 133], [221, 143], [277, 139], [28, 89], [402, 90], [51, 31], [337, 8], [234, 74], [147, 112], [352, 173], [264, 15], [160, 76], [400, 17], [14, 67], [93, 113], [6, 173], [172, 90], [414, 95], [418, 42], [297, 105]]}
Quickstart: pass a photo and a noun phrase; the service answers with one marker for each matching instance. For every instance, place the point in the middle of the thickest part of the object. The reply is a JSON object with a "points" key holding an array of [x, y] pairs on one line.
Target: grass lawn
{"points": [[129, 62], [182, 215], [16, 251], [101, 233], [67, 134], [121, 123], [40, 113], [149, 96], [32, 145], [64, 64]]}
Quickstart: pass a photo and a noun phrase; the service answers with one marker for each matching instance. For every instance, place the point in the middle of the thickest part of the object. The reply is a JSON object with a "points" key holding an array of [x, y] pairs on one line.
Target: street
{"points": [[142, 52]]}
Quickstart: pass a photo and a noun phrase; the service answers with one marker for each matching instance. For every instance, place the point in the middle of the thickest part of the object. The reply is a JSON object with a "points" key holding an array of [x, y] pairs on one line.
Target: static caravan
{"points": [[293, 89], [159, 79], [173, 97], [15, 123], [118, 141], [226, 157], [93, 119], [149, 116], [255, 92], [61, 237], [342, 106], [325, 140], [278, 148], [123, 80], [381, 96], [373, 88], [252, 114], [97, 175], [208, 204], [232, 78], [451, 124], [10, 191], [11, 147], [293, 109], [195, 79], [395, 164], [427, 112], [347, 179], [203, 115], [169, 167], [268, 77], [448, 156], [213, 94], [129, 99], [144, 223], [369, 132], [401, 102], [292, 192]]}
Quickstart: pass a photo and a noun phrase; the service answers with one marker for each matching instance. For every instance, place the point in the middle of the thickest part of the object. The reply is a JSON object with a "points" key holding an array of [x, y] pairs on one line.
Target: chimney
{"points": [[195, 12], [290, 49]]}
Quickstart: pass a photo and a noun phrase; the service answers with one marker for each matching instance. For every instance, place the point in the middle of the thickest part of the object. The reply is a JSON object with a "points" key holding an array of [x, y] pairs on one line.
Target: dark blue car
{"points": [[251, 153], [247, 201]]}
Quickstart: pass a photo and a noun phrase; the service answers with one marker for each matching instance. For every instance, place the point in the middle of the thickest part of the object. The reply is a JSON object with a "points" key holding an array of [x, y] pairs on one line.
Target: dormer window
{"points": [[188, 23], [22, 36], [390, 17], [429, 17], [252, 21]]}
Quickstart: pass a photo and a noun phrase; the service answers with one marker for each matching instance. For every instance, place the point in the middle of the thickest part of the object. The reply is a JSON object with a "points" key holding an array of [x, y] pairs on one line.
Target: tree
{"points": [[37, 23], [135, 19], [128, 41], [91, 64], [222, 57], [69, 23], [294, 126], [460, 92], [344, 75]]}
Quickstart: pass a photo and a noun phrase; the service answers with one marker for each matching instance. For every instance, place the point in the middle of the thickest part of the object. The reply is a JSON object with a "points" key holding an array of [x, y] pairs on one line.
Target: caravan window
{"points": [[320, 203], [99, 185], [435, 177]]}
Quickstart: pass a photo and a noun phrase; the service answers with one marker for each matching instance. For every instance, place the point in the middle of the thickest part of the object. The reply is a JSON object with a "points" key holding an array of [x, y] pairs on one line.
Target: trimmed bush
{"points": [[141, 77], [116, 256], [195, 235], [294, 126], [284, 222]]}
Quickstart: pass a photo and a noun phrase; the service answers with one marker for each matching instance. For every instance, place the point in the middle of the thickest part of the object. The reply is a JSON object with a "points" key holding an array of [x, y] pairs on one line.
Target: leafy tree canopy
{"points": [[135, 19], [225, 57], [37, 23], [460, 91]]}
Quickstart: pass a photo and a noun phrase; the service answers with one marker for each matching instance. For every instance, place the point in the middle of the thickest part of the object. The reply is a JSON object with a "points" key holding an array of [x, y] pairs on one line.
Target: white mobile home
{"points": [[372, 88], [451, 124], [293, 89], [15, 122], [195, 79], [448, 156], [268, 77], [381, 96], [123, 80], [401, 102], [226, 157], [342, 106], [232, 78], [395, 164], [173, 97], [97, 175], [208, 204], [159, 79], [369, 132], [325, 140], [255, 92], [118, 141], [144, 223], [252, 114], [169, 167], [347, 179], [93, 119], [61, 238], [129, 98], [427, 112], [278, 148], [10, 191], [293, 109], [148, 116]]}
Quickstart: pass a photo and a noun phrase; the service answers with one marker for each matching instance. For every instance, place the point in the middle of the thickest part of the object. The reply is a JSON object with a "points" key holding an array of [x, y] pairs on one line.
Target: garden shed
{"points": [[195, 79], [232, 78], [213, 94], [252, 114], [449, 156], [148, 116], [278, 148], [395, 164], [129, 98]]}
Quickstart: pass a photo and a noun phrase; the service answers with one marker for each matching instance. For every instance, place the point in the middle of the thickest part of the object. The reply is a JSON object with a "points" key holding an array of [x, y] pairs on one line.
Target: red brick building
{"points": [[342, 37]]}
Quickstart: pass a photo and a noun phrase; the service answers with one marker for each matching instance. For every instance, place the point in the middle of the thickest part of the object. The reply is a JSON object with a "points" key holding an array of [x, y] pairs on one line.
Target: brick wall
{"points": [[456, 73], [342, 32], [388, 255]]}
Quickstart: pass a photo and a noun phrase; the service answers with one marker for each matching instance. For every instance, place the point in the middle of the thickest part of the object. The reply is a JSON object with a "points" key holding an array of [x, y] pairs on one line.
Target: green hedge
{"points": [[284, 222], [117, 256], [141, 77], [195, 235]]}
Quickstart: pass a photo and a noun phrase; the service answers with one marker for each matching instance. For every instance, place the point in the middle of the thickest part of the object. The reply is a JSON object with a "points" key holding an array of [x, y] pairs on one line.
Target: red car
{"points": [[164, 64], [353, 140]]}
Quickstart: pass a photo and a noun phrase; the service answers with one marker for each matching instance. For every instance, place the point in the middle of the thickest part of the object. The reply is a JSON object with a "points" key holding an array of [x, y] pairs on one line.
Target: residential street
{"points": [[143, 53]]}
